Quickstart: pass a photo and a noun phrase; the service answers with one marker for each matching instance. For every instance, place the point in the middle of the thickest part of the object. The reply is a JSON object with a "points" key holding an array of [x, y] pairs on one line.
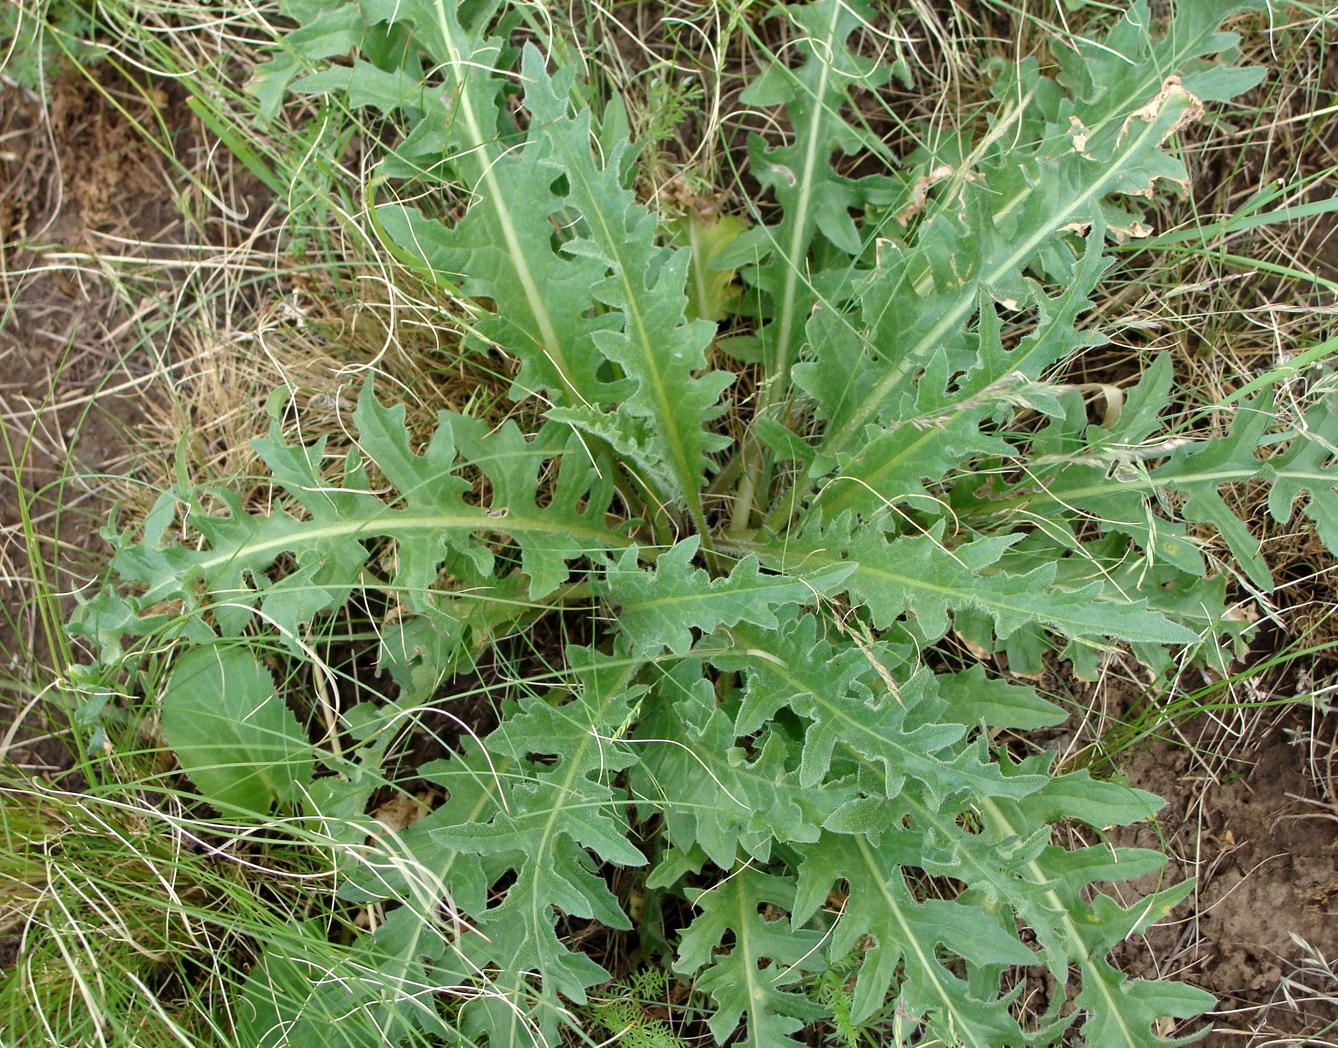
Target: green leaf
{"points": [[659, 609], [973, 698], [1012, 214], [716, 792], [231, 731], [814, 198], [748, 982], [1124, 492], [1127, 1011], [1078, 796], [503, 248], [305, 992], [991, 259], [1308, 468], [938, 421], [329, 531], [1120, 1012], [412, 866], [921, 575], [851, 701], [655, 345], [365, 85], [907, 935], [628, 436], [1196, 473], [327, 34], [552, 817]]}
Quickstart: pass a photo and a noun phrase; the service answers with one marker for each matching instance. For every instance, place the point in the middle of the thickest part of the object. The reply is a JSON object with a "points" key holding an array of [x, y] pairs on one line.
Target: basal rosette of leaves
{"points": [[762, 724]]}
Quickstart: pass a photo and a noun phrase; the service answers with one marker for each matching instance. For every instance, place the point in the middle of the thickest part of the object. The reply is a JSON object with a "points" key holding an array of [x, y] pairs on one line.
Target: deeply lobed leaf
{"points": [[759, 714]]}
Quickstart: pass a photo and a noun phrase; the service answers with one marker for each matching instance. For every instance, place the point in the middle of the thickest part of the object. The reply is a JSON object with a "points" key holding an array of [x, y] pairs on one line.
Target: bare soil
{"points": [[76, 181], [1259, 831]]}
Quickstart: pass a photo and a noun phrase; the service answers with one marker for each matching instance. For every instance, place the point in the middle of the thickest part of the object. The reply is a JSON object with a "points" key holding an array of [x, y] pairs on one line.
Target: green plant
{"points": [[36, 36], [101, 960], [624, 1016], [760, 712]]}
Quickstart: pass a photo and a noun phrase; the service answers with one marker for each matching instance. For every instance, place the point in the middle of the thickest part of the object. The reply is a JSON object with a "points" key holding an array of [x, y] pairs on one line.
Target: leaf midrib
{"points": [[552, 343], [927, 964], [398, 524], [957, 597], [835, 442], [800, 237], [1144, 484]]}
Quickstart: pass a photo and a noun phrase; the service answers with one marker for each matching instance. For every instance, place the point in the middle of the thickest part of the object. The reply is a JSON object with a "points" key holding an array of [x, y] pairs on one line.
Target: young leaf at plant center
{"points": [[712, 291]]}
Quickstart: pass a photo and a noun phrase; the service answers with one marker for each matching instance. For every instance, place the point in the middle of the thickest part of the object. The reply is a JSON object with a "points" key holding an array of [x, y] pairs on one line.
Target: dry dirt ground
{"points": [[76, 181], [1261, 837], [1256, 822]]}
